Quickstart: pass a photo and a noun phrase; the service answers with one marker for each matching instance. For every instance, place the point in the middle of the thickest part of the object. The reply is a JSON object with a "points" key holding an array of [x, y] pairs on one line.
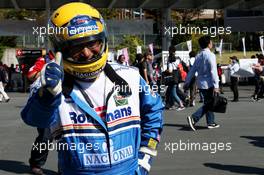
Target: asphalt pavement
{"points": [[237, 147]]}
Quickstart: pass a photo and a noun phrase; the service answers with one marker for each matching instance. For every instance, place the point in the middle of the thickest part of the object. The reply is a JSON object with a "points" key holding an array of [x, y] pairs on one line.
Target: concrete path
{"points": [[237, 147]]}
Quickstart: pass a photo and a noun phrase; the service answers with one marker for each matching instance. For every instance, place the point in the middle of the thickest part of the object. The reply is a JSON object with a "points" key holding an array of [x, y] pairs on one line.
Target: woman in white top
{"points": [[173, 65]]}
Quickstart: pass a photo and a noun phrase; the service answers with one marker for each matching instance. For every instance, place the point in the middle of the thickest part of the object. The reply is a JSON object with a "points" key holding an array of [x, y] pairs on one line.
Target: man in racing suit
{"points": [[105, 117]]}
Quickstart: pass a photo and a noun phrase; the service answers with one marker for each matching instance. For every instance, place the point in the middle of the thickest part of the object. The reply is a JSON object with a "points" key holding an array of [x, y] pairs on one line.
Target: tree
{"points": [[9, 41], [2, 49], [5, 42], [185, 15], [21, 14], [108, 13], [130, 42]]}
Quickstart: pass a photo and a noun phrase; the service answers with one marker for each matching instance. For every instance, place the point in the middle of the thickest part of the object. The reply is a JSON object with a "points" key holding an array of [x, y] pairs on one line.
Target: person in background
{"points": [[138, 60], [220, 73], [38, 158], [234, 67], [149, 69], [173, 66], [11, 71], [173, 87], [122, 60], [207, 82], [192, 85], [157, 75], [182, 70], [156, 72], [17, 69], [168, 99], [141, 65], [3, 82], [261, 59], [259, 79]]}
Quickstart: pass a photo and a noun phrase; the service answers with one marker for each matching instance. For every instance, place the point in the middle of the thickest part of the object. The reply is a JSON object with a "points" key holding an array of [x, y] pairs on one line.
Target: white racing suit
{"points": [[89, 143]]}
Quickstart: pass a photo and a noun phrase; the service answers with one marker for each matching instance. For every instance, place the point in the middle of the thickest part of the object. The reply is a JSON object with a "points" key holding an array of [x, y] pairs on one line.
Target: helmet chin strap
{"points": [[125, 90]]}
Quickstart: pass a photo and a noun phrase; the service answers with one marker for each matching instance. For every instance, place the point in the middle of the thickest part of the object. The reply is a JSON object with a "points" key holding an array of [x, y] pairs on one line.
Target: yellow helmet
{"points": [[76, 24]]}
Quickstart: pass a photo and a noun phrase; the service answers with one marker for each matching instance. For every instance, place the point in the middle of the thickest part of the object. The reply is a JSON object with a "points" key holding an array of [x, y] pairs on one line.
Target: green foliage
{"points": [[177, 39], [9, 41], [201, 23], [2, 49], [14, 14], [195, 43], [20, 14], [185, 15], [131, 42], [108, 13], [6, 41]]}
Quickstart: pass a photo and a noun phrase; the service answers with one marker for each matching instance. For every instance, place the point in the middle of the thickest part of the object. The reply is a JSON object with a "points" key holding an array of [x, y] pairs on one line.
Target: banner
{"points": [[245, 67], [139, 49], [150, 46], [189, 45], [261, 41], [111, 56], [125, 53], [119, 52], [184, 55], [244, 46], [220, 47], [165, 56]]}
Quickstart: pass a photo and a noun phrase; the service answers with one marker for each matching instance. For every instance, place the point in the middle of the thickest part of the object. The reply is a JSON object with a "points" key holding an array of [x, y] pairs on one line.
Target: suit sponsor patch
{"points": [[120, 100], [117, 156]]}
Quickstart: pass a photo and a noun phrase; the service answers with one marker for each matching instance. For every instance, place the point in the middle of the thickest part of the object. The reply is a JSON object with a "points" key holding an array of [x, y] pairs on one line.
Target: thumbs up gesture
{"points": [[51, 75]]}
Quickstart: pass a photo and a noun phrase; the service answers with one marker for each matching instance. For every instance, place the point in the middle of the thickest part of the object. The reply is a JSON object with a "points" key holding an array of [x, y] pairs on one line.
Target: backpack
{"points": [[170, 78], [182, 73], [185, 67]]}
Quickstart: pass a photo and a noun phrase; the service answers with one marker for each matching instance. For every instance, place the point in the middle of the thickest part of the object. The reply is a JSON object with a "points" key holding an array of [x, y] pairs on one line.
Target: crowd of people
{"points": [[151, 71], [4, 79], [14, 77]]}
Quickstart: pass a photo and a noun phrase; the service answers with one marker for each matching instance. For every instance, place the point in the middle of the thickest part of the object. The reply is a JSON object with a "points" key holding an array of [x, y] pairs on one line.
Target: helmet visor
{"points": [[85, 53]]}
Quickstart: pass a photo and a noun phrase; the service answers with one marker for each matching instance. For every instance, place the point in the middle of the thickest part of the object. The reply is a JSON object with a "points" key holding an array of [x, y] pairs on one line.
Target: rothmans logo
{"points": [[103, 159]]}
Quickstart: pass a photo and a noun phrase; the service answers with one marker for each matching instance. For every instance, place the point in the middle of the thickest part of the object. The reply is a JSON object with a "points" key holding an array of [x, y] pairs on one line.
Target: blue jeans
{"points": [[207, 94], [174, 94]]}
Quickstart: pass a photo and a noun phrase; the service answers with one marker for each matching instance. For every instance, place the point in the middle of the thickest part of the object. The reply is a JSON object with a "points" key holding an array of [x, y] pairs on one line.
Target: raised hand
{"points": [[51, 75]]}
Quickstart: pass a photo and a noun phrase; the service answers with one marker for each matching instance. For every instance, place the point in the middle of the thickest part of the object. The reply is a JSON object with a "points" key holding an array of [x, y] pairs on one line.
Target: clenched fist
{"points": [[51, 75]]}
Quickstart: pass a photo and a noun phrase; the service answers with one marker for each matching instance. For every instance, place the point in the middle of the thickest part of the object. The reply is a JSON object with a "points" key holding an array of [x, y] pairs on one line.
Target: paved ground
{"points": [[239, 141]]}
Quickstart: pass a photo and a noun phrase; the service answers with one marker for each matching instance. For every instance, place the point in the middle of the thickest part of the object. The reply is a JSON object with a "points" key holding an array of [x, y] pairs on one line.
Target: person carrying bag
{"points": [[218, 104], [173, 77]]}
